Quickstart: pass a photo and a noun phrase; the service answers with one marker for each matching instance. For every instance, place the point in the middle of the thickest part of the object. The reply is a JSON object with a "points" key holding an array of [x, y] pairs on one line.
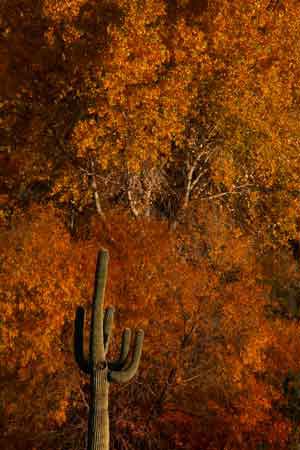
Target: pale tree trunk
{"points": [[143, 187], [200, 150], [197, 167], [130, 192], [139, 195], [193, 181], [195, 170], [96, 193], [98, 206]]}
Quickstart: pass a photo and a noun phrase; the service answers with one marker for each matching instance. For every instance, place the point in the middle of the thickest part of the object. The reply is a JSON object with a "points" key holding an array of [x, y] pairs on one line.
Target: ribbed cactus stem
{"points": [[97, 338], [107, 327], [98, 427], [100, 370]]}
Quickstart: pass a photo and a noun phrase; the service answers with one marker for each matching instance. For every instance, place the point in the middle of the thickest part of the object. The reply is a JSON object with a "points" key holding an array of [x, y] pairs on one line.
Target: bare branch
{"points": [[187, 380], [104, 179], [222, 194], [197, 179]]}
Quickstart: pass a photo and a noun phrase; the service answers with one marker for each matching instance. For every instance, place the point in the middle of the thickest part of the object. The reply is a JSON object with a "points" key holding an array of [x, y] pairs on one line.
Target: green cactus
{"points": [[101, 371]]}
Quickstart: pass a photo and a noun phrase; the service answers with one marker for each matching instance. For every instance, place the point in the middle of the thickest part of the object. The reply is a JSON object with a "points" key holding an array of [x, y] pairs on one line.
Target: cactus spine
{"points": [[101, 371]]}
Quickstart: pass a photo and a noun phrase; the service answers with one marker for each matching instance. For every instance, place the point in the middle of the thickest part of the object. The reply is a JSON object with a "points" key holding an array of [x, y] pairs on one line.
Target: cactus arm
{"points": [[96, 341], [125, 347], [107, 326], [101, 371], [125, 375], [78, 341]]}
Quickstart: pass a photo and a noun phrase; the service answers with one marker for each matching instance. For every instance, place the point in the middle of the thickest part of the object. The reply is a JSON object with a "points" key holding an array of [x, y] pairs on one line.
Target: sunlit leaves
{"points": [[59, 11], [38, 288], [258, 105], [149, 76]]}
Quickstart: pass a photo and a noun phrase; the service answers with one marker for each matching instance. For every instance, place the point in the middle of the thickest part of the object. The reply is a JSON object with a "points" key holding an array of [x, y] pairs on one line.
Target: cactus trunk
{"points": [[98, 428], [101, 371]]}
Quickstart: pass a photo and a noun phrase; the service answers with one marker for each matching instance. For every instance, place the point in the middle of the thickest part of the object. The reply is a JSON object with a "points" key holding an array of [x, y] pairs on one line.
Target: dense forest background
{"points": [[167, 132]]}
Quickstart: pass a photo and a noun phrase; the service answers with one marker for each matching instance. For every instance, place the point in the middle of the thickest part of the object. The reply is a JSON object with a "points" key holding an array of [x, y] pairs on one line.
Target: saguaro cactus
{"points": [[101, 371]]}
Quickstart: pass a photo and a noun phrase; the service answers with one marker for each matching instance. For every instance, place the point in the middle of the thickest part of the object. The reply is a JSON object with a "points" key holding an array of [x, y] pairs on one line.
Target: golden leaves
{"points": [[189, 43], [59, 415], [255, 103], [224, 171], [84, 133], [148, 91], [156, 286], [71, 34], [39, 287], [59, 11]]}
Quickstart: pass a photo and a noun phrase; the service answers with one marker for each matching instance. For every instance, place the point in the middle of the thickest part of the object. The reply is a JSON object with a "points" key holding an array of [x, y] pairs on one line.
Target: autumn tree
{"points": [[197, 293], [44, 276], [133, 88], [226, 366], [37, 290], [108, 84], [131, 103], [219, 343], [255, 92]]}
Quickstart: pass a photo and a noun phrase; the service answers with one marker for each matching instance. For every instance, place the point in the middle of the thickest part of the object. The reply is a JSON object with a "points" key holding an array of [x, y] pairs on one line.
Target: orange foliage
{"points": [[232, 382], [256, 111], [229, 373], [126, 83], [38, 291], [144, 88]]}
